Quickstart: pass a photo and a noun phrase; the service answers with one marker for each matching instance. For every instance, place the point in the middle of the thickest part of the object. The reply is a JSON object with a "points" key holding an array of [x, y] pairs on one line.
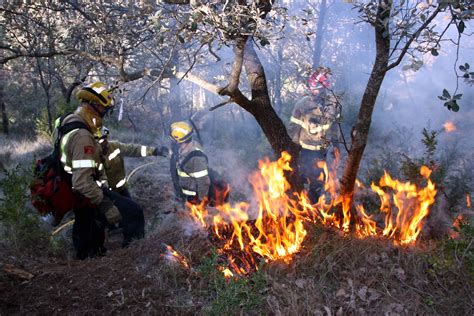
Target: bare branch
{"points": [[47, 54], [413, 37], [221, 104], [233, 85], [200, 82]]}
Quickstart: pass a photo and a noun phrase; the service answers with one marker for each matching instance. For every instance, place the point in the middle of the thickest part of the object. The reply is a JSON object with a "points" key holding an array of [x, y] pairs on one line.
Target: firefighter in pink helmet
{"points": [[313, 126]]}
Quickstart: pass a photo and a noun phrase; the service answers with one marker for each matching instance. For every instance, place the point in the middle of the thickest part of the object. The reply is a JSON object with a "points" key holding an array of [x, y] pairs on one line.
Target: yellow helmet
{"points": [[181, 131], [96, 92]]}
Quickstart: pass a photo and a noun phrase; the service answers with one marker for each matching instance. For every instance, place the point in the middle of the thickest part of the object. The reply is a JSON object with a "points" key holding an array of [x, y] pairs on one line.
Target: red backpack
{"points": [[51, 188]]}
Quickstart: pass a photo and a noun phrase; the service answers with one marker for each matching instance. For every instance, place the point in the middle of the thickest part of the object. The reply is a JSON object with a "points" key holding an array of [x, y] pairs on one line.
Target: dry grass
{"points": [[332, 274]]}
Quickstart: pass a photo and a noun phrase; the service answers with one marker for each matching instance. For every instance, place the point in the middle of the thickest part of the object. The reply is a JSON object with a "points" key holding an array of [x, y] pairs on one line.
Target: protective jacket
{"points": [[313, 123], [192, 171], [81, 157], [114, 163]]}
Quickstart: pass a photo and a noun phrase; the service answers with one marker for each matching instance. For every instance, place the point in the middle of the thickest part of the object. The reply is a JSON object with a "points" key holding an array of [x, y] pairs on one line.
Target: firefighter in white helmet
{"points": [[313, 126], [193, 180]]}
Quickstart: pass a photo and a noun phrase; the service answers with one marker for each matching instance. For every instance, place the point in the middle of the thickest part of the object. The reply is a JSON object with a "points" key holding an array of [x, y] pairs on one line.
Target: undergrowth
{"points": [[21, 224], [236, 295]]}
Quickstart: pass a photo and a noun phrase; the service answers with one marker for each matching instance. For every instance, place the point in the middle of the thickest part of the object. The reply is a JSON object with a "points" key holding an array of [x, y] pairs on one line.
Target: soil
{"points": [[333, 274]]}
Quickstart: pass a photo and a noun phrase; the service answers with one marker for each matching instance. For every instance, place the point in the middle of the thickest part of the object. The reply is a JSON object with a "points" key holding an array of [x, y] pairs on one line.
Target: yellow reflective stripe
{"points": [[197, 174], [68, 169], [143, 151], [101, 167], [311, 147], [84, 163], [120, 183], [297, 121], [66, 138], [114, 154], [187, 192], [320, 128], [64, 141]]}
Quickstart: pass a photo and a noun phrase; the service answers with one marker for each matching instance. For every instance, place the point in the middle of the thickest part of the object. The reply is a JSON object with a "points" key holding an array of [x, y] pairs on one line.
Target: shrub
{"points": [[21, 224]]}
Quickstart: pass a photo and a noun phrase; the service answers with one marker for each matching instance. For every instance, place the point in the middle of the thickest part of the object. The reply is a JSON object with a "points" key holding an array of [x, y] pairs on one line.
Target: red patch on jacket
{"points": [[88, 150]]}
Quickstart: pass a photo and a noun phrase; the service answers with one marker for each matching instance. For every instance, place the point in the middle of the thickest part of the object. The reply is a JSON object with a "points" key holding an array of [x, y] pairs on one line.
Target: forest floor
{"points": [[332, 274]]}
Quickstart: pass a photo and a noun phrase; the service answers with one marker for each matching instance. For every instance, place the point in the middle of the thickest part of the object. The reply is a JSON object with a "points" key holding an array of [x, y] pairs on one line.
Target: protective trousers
{"points": [[133, 221], [309, 171], [88, 232]]}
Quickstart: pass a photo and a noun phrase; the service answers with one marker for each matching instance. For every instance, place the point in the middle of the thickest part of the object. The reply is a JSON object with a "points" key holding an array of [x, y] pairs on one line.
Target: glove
{"points": [[110, 211], [161, 151]]}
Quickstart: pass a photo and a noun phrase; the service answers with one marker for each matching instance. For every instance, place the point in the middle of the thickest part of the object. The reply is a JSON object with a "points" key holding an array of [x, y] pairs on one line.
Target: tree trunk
{"points": [[4, 112], [261, 108], [318, 44], [360, 132], [2, 101], [48, 109]]}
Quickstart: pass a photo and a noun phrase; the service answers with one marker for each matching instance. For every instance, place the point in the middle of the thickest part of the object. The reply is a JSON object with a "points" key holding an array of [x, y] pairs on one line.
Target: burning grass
{"points": [[277, 230]]}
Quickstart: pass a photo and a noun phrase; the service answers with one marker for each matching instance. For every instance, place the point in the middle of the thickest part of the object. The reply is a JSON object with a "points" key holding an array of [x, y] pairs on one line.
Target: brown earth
{"points": [[332, 274]]}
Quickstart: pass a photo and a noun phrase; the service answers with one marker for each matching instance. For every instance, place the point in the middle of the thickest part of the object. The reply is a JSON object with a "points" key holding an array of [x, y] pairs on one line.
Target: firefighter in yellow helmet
{"points": [[113, 157], [193, 180], [81, 158]]}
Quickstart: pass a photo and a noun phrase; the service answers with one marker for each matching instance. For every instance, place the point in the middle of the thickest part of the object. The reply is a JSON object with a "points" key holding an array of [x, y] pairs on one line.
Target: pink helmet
{"points": [[319, 79]]}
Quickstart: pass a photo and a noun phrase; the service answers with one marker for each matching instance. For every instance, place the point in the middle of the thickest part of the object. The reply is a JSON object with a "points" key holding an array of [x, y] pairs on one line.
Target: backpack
{"points": [[51, 188]]}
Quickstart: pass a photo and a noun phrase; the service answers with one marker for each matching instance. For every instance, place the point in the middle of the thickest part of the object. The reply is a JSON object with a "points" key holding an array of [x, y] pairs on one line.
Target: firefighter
{"points": [[313, 126], [113, 157], [81, 157], [193, 180]]}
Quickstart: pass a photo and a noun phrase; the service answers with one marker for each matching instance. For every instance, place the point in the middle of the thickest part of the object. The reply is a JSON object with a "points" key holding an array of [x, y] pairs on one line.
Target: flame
{"points": [[175, 257], [272, 228], [468, 201], [411, 203], [227, 273], [454, 231], [449, 127]]}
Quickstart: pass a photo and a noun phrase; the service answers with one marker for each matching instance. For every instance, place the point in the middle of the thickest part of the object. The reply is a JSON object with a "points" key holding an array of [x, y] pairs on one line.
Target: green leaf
{"points": [[442, 98], [462, 68], [406, 67], [446, 94], [467, 66], [194, 26], [455, 107], [181, 39], [264, 41], [461, 26], [434, 52], [457, 96], [466, 75]]}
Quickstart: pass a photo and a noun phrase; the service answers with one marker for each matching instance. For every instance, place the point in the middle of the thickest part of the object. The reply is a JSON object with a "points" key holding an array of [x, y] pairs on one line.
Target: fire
{"points": [[468, 201], [411, 203], [449, 127], [175, 257], [273, 227]]}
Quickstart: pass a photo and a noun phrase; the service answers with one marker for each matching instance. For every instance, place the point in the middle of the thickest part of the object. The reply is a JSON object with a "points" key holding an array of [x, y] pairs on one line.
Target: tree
{"points": [[411, 25]]}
